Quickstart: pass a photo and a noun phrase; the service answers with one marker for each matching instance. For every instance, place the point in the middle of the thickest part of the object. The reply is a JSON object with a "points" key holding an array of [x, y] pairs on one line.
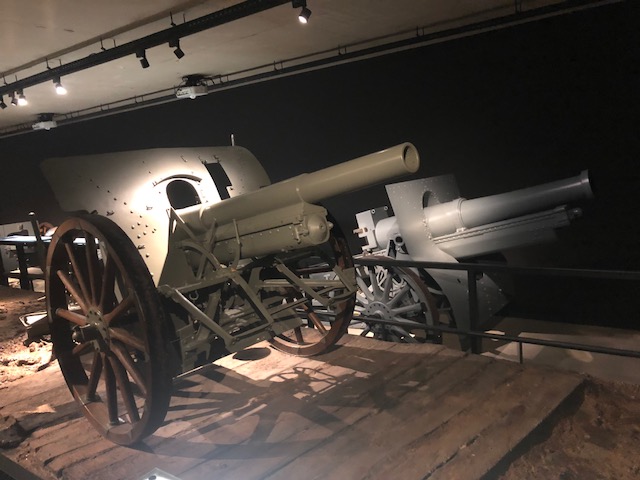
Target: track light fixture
{"points": [[14, 100], [22, 100], [60, 90], [305, 13], [2, 104], [142, 55], [175, 43]]}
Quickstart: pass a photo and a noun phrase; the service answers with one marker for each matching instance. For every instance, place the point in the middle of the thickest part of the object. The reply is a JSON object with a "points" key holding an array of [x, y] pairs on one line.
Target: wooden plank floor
{"points": [[366, 410]]}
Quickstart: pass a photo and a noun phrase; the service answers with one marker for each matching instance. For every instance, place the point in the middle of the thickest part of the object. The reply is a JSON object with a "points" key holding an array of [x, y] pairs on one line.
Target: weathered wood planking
{"points": [[367, 409]]}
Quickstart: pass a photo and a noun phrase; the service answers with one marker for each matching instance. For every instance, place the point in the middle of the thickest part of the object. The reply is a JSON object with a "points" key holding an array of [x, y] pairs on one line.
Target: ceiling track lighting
{"points": [[215, 19], [14, 100], [60, 90], [142, 55], [305, 13], [175, 43], [22, 100], [2, 104]]}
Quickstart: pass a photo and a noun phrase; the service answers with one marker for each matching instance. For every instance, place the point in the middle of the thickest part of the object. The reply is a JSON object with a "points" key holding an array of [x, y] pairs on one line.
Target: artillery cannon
{"points": [[187, 255], [433, 223]]}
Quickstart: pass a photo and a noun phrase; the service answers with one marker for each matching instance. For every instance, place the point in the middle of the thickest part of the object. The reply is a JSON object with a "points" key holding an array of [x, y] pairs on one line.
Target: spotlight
{"points": [[14, 100], [305, 13], [175, 43], [22, 100], [142, 55], [60, 90], [2, 104]]}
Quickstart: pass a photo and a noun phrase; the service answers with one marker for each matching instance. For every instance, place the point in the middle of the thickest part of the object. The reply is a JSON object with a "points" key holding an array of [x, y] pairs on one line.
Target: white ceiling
{"points": [[34, 34]]}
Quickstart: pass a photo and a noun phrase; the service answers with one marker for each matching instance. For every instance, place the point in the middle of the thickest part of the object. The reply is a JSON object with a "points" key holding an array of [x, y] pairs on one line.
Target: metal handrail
{"points": [[473, 269]]}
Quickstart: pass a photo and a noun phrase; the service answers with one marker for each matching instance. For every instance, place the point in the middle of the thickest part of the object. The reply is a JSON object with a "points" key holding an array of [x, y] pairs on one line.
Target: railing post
{"points": [[520, 353], [476, 342]]}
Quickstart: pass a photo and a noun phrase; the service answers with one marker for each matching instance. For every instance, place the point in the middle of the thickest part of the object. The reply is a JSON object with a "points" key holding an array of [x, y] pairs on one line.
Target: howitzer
{"points": [[187, 255], [433, 223]]}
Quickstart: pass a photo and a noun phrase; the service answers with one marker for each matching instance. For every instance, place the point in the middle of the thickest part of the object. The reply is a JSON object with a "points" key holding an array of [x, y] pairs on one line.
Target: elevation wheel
{"points": [[108, 328]]}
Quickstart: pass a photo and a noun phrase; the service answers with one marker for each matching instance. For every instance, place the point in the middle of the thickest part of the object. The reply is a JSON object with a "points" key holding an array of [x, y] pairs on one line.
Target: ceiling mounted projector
{"points": [[45, 125], [194, 85], [45, 122], [191, 91]]}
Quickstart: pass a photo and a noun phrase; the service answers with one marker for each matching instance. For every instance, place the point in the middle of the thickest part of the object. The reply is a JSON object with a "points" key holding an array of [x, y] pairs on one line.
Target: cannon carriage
{"points": [[177, 257]]}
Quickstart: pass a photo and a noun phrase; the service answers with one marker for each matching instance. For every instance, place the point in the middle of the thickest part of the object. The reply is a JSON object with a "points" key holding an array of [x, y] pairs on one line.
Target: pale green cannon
{"points": [[184, 255]]}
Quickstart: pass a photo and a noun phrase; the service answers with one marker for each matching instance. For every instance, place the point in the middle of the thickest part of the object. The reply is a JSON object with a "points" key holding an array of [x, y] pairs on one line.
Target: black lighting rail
{"points": [[304, 63], [221, 17]]}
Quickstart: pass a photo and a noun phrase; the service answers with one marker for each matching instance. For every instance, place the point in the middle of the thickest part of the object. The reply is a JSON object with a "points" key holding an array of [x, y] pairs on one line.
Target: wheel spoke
{"points": [[399, 296], [388, 282], [375, 288], [72, 317], [121, 308], [414, 307], [107, 292], [77, 270], [125, 337], [111, 391], [94, 376], [93, 267], [82, 348], [364, 288], [361, 302], [130, 366], [298, 334], [316, 322], [122, 381], [71, 288]]}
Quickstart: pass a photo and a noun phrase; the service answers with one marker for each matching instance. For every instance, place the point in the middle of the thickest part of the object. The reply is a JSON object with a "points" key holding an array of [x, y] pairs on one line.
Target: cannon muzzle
{"points": [[460, 214], [308, 188]]}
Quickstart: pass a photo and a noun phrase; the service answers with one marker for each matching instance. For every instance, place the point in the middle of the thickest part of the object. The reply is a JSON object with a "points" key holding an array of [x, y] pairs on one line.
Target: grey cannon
{"points": [[180, 256], [433, 223]]}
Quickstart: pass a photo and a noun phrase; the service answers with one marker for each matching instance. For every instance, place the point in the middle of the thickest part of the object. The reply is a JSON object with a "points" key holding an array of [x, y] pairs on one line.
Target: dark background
{"points": [[501, 110]]}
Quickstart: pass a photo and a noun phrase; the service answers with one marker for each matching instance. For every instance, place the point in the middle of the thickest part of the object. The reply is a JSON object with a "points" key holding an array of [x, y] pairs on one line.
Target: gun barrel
{"points": [[309, 187], [447, 218]]}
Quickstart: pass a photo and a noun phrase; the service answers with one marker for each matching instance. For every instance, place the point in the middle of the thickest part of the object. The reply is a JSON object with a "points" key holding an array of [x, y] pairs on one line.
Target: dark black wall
{"points": [[501, 110]]}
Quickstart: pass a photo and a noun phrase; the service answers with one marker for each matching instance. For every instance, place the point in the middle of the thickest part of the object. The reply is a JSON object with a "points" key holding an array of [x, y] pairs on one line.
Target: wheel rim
{"points": [[323, 327], [108, 328], [395, 294]]}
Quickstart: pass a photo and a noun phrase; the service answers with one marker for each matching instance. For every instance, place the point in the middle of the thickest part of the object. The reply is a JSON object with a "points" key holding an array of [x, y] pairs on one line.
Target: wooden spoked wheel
{"points": [[323, 326], [400, 300], [108, 328]]}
